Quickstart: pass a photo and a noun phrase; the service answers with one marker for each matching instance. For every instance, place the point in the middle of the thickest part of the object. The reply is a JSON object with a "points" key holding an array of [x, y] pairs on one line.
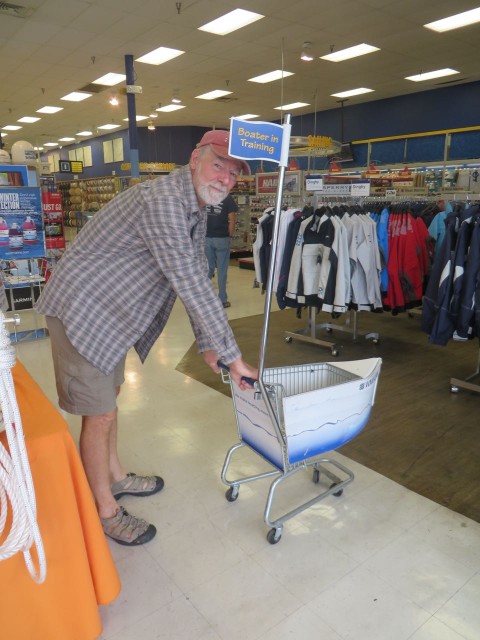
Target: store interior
{"points": [[395, 128]]}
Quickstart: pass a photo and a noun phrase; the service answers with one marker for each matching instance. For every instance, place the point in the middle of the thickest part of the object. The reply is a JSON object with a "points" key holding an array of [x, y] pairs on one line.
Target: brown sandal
{"points": [[126, 529], [140, 486]]}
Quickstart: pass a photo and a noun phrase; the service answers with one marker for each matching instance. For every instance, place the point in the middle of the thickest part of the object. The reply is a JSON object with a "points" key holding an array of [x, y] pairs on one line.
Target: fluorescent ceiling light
{"points": [[247, 116], [160, 55], [350, 52], [440, 73], [455, 22], [351, 92], [49, 109], [66, 139], [38, 148], [77, 96], [171, 107], [110, 79], [51, 144], [153, 115], [292, 105], [108, 126], [231, 21], [271, 76], [84, 133], [212, 95], [28, 119], [138, 118], [11, 127]]}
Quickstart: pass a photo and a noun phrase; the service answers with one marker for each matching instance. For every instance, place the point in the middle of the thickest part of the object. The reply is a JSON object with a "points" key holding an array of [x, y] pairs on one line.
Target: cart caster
{"points": [[316, 476], [274, 535], [231, 494], [288, 339], [454, 389], [338, 493]]}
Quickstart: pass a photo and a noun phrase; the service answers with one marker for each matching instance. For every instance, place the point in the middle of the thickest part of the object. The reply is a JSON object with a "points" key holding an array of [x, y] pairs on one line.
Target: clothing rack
{"points": [[456, 384], [309, 334]]}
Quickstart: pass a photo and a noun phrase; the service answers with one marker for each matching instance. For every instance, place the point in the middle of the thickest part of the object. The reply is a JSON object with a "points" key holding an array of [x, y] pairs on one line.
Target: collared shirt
{"points": [[116, 285]]}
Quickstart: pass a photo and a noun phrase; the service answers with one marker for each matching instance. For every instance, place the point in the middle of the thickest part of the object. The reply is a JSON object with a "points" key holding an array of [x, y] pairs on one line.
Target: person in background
{"points": [[114, 288], [220, 230]]}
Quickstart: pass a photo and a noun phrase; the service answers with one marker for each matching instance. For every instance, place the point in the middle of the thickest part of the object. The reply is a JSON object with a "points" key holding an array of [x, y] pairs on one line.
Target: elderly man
{"points": [[115, 288]]}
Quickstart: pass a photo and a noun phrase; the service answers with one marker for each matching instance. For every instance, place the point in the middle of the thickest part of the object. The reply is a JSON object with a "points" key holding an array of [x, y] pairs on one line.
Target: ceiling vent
{"points": [[440, 84], [15, 10], [94, 88], [225, 99]]}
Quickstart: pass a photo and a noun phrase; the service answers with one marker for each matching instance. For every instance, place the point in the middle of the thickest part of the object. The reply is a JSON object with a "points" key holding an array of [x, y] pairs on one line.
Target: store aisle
{"points": [[378, 563]]}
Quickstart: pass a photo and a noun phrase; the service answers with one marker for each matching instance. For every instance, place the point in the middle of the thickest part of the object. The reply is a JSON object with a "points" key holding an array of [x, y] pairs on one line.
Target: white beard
{"points": [[212, 196]]}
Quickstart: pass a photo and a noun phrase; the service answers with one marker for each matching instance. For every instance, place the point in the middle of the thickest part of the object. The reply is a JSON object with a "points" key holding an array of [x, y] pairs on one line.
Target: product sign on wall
{"points": [[21, 224], [53, 219]]}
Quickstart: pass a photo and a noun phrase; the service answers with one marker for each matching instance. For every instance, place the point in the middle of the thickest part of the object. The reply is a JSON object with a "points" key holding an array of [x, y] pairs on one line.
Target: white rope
{"points": [[16, 484]]}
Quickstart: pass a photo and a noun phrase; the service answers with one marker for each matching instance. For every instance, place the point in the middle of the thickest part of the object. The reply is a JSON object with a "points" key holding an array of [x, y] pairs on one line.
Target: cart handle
{"points": [[224, 366]]}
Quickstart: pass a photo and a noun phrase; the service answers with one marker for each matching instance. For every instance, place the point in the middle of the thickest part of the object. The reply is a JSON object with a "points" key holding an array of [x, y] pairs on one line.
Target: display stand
{"points": [[32, 283], [309, 334]]}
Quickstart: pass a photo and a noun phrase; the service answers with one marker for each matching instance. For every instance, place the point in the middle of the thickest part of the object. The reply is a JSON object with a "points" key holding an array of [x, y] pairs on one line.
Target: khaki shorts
{"points": [[83, 390]]}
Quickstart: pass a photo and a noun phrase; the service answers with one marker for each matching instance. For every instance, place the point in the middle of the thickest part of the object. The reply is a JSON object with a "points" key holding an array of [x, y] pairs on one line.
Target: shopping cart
{"points": [[294, 415], [306, 411]]}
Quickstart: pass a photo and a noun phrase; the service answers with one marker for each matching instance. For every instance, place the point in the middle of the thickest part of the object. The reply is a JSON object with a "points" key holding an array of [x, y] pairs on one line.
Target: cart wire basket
{"points": [[306, 411]]}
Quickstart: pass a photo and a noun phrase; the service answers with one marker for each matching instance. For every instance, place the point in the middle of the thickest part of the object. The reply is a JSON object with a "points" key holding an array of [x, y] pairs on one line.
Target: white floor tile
{"points": [[462, 612], [243, 602], [145, 589], [360, 606], [177, 620], [422, 573], [303, 623], [433, 629]]}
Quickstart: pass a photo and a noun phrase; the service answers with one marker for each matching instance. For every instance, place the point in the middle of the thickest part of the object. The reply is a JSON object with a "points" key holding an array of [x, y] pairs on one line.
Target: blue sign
{"points": [[256, 140], [22, 234]]}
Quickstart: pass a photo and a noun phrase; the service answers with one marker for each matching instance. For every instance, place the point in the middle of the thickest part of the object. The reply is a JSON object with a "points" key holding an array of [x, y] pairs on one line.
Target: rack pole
{"points": [[273, 253]]}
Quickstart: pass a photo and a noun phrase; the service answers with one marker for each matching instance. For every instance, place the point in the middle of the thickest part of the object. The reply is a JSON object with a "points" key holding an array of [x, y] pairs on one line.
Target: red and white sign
{"points": [[53, 220]]}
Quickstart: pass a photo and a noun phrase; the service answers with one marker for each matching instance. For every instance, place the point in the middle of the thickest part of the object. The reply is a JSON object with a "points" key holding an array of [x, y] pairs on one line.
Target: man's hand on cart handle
{"points": [[237, 369], [241, 373]]}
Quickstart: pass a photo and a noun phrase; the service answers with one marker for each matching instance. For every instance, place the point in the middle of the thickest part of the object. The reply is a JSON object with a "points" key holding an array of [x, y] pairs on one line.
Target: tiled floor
{"points": [[378, 563]]}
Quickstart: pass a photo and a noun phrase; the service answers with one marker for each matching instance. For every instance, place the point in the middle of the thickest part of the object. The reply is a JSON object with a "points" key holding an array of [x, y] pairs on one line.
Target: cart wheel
{"points": [[274, 535], [288, 339], [316, 476], [454, 389], [231, 494], [334, 353], [338, 493]]}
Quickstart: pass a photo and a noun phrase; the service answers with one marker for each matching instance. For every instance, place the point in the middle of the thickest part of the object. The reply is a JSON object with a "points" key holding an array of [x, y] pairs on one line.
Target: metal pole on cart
{"points": [[271, 271]]}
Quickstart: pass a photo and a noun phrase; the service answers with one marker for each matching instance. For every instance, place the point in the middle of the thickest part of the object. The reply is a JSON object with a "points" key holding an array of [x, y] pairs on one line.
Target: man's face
{"points": [[213, 176]]}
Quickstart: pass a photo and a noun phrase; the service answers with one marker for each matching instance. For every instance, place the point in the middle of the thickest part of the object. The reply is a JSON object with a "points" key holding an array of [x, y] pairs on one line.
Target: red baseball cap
{"points": [[219, 139]]}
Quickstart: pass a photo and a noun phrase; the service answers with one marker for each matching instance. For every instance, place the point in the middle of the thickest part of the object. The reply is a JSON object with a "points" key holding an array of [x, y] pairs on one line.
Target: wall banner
{"points": [[22, 234]]}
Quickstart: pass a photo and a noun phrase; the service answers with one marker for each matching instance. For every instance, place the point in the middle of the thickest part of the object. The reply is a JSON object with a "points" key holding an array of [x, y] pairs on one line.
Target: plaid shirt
{"points": [[116, 285]]}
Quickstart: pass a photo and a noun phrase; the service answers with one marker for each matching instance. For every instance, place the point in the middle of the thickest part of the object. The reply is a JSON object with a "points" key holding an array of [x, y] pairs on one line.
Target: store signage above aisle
{"points": [[150, 167], [321, 185], [259, 141], [70, 166], [267, 183]]}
